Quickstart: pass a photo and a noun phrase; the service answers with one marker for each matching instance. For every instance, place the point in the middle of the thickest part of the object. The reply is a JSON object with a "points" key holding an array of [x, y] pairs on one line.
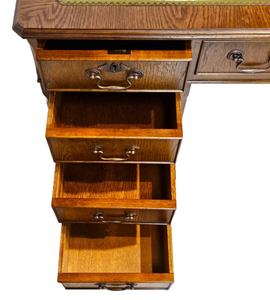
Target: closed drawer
{"points": [[100, 256], [115, 127], [241, 60], [96, 65], [114, 193]]}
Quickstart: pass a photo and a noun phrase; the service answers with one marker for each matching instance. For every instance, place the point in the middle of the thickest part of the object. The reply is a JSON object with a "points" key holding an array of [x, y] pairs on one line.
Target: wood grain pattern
{"points": [[169, 250], [228, 79], [107, 253], [70, 75], [114, 121], [237, 34], [150, 215], [138, 286], [72, 149], [111, 203], [78, 133], [36, 15], [33, 45], [141, 281], [115, 111], [196, 46], [107, 249], [101, 181], [172, 182], [102, 55], [213, 59], [16, 26], [114, 277], [63, 65], [114, 190]]}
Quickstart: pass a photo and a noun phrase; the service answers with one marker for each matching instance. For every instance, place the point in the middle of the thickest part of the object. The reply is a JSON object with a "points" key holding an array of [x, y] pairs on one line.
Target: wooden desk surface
{"points": [[49, 19]]}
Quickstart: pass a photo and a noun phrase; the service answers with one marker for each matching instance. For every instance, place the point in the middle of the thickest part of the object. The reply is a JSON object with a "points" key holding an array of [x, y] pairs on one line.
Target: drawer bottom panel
{"points": [[117, 257]]}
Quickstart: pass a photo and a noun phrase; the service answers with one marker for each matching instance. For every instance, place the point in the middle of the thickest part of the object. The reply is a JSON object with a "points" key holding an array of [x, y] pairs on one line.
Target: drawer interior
{"points": [[114, 46], [113, 248], [114, 110], [114, 181], [96, 50]]}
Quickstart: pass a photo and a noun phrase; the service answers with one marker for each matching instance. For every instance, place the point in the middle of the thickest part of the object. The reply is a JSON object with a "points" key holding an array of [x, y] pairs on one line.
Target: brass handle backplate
{"points": [[127, 217], [130, 150], [238, 57], [133, 74], [104, 286]]}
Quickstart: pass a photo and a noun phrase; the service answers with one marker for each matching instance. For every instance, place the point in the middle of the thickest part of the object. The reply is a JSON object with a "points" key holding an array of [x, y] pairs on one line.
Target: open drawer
{"points": [[102, 127], [116, 257], [114, 193], [113, 65]]}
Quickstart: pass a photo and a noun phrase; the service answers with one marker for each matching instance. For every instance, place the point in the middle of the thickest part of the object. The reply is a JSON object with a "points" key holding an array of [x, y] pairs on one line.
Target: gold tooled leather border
{"points": [[163, 2]]}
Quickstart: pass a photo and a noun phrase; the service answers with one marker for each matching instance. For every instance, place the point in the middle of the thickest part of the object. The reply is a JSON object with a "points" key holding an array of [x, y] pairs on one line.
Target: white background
{"points": [[221, 227]]}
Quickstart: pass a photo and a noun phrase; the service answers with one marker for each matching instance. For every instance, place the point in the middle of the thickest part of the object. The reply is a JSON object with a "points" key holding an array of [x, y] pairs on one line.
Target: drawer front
{"points": [[247, 60], [71, 75], [114, 193], [114, 65], [102, 127], [116, 257], [119, 216], [118, 286], [151, 150]]}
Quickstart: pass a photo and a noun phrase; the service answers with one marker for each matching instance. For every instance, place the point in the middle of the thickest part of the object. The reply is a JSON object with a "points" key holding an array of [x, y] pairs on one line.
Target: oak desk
{"points": [[154, 54]]}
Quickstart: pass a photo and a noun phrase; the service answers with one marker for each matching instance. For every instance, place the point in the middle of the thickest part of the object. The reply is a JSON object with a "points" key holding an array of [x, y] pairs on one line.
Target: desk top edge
{"points": [[48, 19]]}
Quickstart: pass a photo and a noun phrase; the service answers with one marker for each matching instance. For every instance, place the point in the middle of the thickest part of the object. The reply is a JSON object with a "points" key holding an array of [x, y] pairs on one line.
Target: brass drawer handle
{"points": [[127, 217], [103, 286], [237, 57], [134, 74], [130, 150]]}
